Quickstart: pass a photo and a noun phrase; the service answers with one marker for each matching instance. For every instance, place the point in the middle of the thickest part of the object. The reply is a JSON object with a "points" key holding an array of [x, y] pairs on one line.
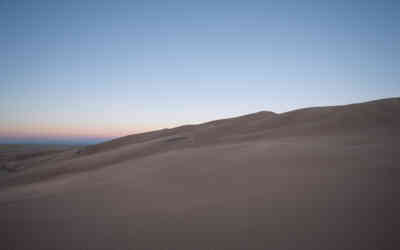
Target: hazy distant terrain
{"points": [[316, 178]]}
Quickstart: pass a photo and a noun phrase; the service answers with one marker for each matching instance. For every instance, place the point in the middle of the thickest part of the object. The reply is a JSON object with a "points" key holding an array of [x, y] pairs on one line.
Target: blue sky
{"points": [[92, 70]]}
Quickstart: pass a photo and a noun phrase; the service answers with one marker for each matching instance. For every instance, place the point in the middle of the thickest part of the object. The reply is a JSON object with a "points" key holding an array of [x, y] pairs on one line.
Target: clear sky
{"points": [[85, 71]]}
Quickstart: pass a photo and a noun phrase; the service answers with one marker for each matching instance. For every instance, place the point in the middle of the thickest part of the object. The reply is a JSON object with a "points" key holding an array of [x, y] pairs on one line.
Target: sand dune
{"points": [[376, 115], [16, 157], [316, 178]]}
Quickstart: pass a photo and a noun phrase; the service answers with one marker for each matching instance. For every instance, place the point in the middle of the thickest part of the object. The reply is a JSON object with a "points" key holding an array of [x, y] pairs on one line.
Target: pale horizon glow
{"points": [[66, 134]]}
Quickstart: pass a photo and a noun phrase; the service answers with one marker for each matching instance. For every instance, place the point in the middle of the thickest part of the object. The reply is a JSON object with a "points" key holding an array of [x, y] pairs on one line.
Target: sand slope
{"points": [[317, 178]]}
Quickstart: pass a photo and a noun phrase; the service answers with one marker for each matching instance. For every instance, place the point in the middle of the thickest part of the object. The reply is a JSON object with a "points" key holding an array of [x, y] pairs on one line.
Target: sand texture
{"points": [[317, 178]]}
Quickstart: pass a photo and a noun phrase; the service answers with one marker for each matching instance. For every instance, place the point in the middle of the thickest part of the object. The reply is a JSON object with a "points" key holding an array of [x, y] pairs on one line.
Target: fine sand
{"points": [[318, 178]]}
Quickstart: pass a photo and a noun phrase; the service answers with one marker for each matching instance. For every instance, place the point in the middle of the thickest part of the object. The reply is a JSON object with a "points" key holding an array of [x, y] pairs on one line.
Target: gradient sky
{"points": [[85, 71]]}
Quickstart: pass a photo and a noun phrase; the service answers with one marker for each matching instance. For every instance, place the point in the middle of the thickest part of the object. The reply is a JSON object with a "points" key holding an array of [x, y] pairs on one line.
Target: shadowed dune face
{"points": [[319, 178], [16, 157]]}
